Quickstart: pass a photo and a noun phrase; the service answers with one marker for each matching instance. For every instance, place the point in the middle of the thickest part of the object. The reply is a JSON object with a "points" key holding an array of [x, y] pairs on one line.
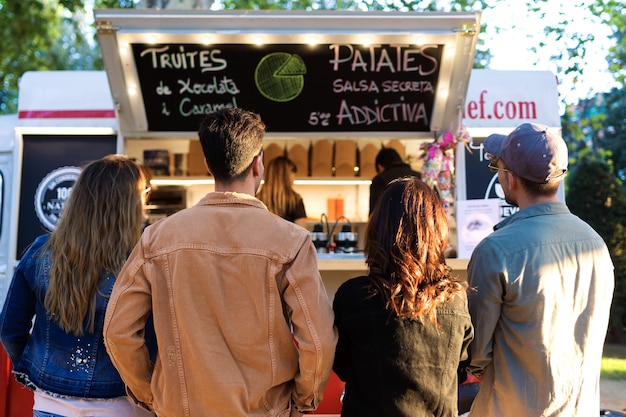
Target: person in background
{"points": [[148, 175], [404, 328], [242, 318], [63, 281], [542, 288], [389, 166], [278, 194]]}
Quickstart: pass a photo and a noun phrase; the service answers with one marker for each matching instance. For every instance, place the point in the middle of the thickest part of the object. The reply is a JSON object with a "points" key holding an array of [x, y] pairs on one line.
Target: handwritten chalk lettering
{"points": [[206, 60], [163, 90], [188, 108], [348, 86], [389, 86], [319, 118], [385, 113], [378, 59], [407, 86], [224, 86]]}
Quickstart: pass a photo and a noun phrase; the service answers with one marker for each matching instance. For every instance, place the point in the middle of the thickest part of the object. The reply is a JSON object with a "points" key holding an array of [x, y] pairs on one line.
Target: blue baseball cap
{"points": [[532, 151]]}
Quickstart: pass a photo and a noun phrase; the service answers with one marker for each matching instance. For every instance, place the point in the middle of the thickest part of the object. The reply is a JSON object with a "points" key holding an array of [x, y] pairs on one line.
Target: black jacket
{"points": [[397, 368], [380, 181]]}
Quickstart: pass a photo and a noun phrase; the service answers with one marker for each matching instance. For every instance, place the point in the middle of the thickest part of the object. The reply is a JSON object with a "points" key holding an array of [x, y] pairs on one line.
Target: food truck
{"points": [[68, 117], [327, 84], [332, 88]]}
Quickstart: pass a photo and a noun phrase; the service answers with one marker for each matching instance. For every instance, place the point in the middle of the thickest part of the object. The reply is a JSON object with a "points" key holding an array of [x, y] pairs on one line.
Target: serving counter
{"points": [[335, 268]]}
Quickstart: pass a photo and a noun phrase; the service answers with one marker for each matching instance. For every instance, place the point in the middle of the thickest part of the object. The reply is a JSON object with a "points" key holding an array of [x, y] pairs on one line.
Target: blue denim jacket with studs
{"points": [[43, 355]]}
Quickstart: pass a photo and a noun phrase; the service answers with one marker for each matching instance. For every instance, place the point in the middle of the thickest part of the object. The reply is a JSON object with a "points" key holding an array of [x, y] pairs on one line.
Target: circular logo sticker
{"points": [[51, 194]]}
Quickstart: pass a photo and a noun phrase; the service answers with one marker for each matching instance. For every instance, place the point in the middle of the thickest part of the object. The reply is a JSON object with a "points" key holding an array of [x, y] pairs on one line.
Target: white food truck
{"points": [[66, 118], [342, 77]]}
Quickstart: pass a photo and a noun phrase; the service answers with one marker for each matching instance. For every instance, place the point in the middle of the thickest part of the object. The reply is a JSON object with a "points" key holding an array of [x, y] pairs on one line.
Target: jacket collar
{"points": [[229, 197]]}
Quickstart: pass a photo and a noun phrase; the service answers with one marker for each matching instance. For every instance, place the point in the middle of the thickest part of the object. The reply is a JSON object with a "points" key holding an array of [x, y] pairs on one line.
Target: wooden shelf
{"points": [[201, 180]]}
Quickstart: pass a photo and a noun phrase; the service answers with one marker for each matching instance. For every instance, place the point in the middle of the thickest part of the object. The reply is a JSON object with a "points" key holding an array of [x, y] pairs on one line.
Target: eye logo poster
{"points": [[475, 220]]}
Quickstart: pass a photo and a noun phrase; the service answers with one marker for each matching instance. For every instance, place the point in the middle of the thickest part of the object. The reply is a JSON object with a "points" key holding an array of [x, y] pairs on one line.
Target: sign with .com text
{"points": [[505, 99]]}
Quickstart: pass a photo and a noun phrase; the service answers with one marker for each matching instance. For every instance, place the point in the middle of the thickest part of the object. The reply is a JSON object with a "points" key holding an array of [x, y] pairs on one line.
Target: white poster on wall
{"points": [[475, 220]]}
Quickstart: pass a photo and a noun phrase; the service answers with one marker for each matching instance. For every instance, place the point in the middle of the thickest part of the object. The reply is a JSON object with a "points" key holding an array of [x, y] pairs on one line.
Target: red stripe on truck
{"points": [[66, 114]]}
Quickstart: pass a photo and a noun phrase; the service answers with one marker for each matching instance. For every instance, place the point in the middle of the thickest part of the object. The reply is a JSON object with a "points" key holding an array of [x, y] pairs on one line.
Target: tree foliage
{"points": [[40, 35], [596, 195], [612, 14], [51, 34]]}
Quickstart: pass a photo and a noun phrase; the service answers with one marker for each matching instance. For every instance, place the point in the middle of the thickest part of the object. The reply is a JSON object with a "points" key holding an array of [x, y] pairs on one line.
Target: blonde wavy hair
{"points": [[100, 223], [407, 235], [277, 191]]}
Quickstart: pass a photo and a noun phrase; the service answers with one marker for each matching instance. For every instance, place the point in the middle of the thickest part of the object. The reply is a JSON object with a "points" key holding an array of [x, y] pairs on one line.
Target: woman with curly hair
{"points": [[277, 191], [404, 328]]}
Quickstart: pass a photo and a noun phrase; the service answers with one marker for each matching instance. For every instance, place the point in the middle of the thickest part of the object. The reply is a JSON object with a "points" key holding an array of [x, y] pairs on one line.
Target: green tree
{"points": [[36, 35], [612, 14], [44, 35], [596, 195], [50, 34]]}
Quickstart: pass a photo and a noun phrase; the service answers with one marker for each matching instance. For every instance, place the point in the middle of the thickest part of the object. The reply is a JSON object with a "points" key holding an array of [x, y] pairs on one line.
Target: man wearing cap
{"points": [[541, 289]]}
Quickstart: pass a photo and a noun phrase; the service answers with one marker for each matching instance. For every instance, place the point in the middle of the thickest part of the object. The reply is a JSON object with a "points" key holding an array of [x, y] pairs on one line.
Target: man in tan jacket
{"points": [[243, 323]]}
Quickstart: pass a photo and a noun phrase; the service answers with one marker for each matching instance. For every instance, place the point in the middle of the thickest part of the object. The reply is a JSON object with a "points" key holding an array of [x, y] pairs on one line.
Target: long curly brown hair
{"points": [[406, 238]]}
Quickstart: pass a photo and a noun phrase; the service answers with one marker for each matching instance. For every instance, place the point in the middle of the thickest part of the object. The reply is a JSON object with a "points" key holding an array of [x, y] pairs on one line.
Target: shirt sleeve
{"points": [[313, 327], [127, 313], [485, 296]]}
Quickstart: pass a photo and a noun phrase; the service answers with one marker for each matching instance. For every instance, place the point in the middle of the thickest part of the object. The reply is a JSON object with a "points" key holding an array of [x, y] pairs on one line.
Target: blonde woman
{"points": [[64, 281], [278, 194], [404, 328]]}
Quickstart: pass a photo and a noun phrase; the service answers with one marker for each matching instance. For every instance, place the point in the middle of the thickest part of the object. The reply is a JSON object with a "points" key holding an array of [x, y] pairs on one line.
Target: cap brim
{"points": [[493, 144]]}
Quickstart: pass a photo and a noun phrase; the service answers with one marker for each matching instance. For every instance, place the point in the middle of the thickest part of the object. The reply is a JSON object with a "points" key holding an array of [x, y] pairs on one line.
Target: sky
{"points": [[510, 48]]}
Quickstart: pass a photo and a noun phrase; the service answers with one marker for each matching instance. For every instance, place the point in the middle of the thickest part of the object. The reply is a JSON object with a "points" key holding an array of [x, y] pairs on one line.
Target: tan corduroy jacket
{"points": [[230, 287]]}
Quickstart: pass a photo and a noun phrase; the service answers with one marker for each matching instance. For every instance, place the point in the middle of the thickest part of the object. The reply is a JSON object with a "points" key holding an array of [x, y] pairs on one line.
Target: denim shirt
{"points": [[542, 285], [48, 358]]}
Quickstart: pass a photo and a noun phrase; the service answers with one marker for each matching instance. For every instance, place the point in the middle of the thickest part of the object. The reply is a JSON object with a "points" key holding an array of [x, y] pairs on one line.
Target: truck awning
{"points": [[322, 73]]}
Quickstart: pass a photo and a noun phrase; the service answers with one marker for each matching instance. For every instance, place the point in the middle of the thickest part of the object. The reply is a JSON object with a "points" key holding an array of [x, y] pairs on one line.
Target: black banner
{"points": [[480, 183], [295, 88], [49, 171]]}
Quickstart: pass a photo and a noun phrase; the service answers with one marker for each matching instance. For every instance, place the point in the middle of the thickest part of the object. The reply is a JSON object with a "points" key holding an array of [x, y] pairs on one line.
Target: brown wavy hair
{"points": [[406, 238], [100, 223], [277, 191]]}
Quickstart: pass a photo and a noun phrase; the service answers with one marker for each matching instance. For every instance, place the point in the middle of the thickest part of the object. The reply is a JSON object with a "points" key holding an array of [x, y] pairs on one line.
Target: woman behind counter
{"points": [[403, 328], [64, 281], [277, 191]]}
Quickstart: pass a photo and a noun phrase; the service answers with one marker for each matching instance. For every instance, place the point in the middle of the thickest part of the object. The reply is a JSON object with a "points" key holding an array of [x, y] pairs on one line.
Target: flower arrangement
{"points": [[438, 169]]}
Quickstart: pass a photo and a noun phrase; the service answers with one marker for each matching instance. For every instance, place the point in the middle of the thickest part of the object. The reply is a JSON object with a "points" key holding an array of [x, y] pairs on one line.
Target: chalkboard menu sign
{"points": [[295, 88]]}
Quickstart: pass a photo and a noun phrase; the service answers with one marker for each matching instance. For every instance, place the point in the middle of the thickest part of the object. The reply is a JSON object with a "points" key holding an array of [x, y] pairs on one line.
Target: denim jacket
{"points": [[48, 358]]}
